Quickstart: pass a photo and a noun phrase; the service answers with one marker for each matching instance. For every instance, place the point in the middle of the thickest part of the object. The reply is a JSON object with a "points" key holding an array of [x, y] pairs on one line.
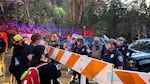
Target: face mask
{"points": [[41, 42], [46, 60], [23, 43]]}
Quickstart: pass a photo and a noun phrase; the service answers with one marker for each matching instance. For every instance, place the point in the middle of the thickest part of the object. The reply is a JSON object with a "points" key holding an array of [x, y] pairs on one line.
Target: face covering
{"points": [[41, 42], [23, 43]]}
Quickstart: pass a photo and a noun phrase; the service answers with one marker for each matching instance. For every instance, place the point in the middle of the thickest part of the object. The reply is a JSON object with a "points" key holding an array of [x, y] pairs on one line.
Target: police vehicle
{"points": [[140, 58]]}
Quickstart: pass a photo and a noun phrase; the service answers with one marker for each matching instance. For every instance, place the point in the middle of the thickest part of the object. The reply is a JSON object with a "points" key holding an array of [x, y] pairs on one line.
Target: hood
{"points": [[18, 50]]}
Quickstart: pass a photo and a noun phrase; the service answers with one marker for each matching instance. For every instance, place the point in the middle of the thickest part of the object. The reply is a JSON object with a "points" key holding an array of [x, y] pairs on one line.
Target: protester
{"points": [[55, 43], [96, 48], [112, 54], [68, 47], [69, 43], [35, 40], [123, 48], [81, 48], [47, 72], [19, 61], [24, 53], [65, 45], [2, 55]]}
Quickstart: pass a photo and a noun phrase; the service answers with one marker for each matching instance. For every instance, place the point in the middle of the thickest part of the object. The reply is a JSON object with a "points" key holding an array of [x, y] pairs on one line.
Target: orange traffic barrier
{"points": [[132, 77], [83, 64], [97, 70]]}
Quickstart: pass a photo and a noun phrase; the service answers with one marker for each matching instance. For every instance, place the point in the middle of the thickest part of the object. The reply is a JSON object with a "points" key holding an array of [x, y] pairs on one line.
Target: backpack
{"points": [[31, 76], [17, 66]]}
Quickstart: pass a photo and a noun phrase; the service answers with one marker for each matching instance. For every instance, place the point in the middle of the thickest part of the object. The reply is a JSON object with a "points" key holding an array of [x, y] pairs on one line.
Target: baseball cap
{"points": [[17, 37]]}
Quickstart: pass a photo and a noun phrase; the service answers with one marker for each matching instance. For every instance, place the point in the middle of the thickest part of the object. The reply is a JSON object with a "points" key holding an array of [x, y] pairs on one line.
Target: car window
{"points": [[89, 40], [143, 46], [103, 42]]}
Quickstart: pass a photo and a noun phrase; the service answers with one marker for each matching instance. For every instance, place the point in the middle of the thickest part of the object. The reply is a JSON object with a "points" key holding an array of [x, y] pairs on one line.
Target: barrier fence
{"points": [[97, 70]]}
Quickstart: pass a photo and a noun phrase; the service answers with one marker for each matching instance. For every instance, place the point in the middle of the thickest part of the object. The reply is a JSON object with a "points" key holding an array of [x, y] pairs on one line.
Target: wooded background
{"points": [[111, 17]]}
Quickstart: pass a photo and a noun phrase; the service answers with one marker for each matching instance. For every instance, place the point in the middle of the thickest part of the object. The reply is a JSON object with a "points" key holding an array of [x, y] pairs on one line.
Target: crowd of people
{"points": [[115, 51], [26, 56]]}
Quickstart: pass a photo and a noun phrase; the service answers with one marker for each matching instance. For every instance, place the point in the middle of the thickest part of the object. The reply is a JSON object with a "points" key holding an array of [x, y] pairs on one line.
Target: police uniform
{"points": [[126, 53], [114, 57], [124, 50], [83, 50]]}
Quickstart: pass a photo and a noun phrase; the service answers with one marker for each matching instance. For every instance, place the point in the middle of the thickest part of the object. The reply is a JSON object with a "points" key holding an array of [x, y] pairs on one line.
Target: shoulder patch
{"points": [[83, 49], [112, 56], [128, 54], [123, 48], [120, 58]]}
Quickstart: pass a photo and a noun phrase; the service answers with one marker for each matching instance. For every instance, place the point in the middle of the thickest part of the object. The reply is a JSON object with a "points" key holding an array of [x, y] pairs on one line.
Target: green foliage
{"points": [[59, 15], [92, 14], [111, 17], [118, 20]]}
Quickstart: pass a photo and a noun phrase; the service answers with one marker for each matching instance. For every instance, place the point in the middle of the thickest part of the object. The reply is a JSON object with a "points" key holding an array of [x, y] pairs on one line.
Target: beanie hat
{"points": [[35, 37], [17, 37], [38, 51]]}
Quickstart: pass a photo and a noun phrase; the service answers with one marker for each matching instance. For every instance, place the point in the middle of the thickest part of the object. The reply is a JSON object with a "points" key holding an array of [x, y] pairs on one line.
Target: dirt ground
{"points": [[65, 78]]}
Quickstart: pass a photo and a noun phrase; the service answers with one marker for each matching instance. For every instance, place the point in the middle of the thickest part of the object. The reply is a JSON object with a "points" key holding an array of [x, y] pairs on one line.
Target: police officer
{"points": [[123, 48], [81, 49], [112, 54]]}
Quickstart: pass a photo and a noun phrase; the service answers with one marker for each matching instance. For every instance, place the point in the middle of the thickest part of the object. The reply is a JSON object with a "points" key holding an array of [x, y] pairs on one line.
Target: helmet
{"points": [[80, 38], [74, 36]]}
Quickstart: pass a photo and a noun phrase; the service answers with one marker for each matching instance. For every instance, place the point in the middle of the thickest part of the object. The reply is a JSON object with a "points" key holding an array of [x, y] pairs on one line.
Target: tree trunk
{"points": [[81, 11], [73, 10], [1, 6], [26, 8]]}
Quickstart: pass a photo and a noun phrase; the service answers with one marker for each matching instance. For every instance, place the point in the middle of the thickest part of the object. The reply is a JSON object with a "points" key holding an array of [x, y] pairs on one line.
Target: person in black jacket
{"points": [[123, 48], [35, 40], [81, 49], [55, 42], [47, 72], [112, 54], [19, 61]]}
